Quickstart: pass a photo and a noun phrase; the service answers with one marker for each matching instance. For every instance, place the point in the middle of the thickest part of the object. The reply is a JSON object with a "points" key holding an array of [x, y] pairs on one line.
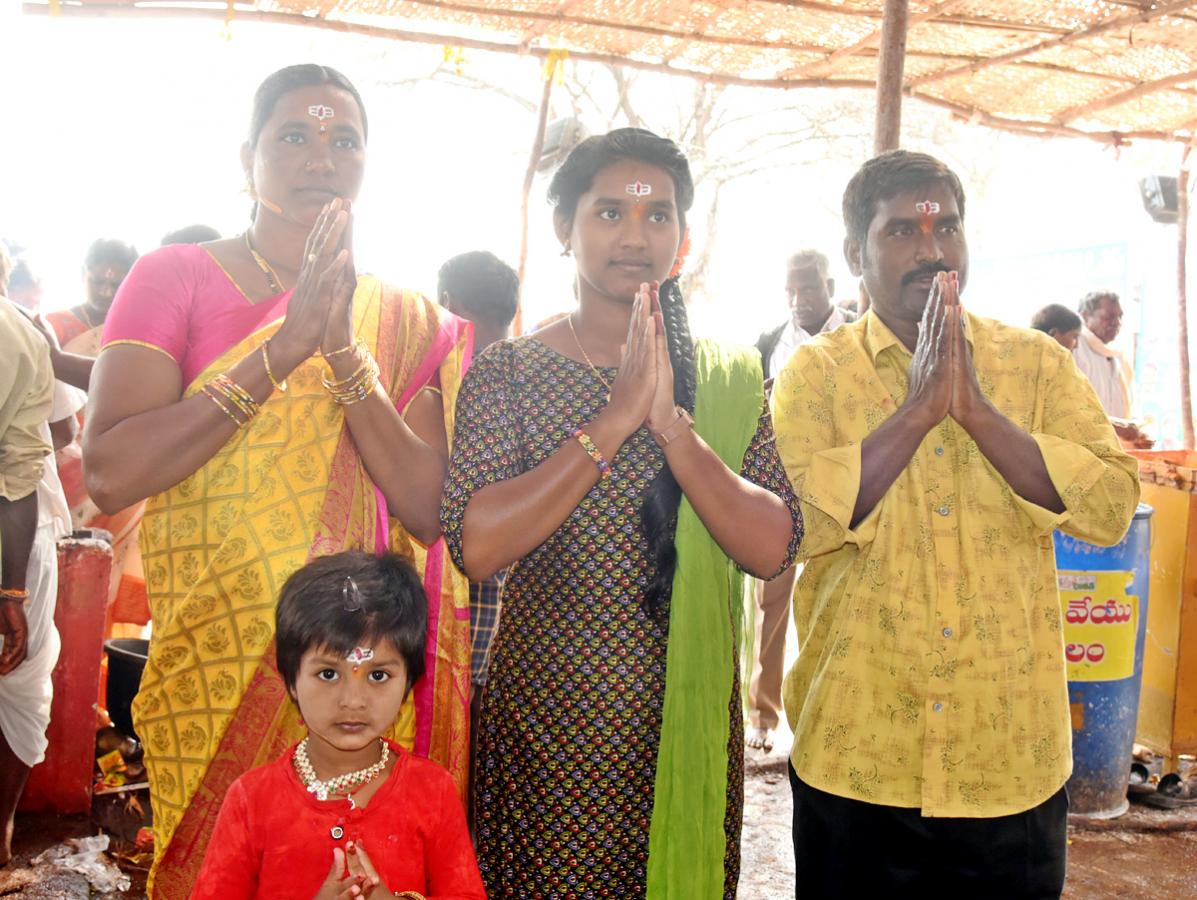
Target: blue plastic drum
{"points": [[1103, 596]]}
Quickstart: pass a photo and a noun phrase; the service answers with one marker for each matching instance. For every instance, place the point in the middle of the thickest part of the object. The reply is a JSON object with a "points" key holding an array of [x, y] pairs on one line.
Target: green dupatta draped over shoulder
{"points": [[687, 841]]}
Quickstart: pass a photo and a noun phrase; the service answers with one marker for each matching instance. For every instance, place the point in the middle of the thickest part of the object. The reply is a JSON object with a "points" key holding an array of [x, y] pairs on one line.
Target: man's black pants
{"points": [[846, 848]]}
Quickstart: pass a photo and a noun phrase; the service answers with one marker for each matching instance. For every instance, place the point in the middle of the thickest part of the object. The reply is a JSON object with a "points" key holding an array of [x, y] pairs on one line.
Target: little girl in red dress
{"points": [[345, 813]]}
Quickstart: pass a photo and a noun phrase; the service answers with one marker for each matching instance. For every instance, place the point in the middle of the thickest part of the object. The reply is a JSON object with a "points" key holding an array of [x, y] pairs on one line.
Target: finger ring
{"points": [[311, 257]]}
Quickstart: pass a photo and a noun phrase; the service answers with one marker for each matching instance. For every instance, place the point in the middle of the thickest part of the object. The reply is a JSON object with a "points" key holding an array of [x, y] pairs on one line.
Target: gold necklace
{"points": [[272, 279], [86, 317], [586, 356], [341, 784]]}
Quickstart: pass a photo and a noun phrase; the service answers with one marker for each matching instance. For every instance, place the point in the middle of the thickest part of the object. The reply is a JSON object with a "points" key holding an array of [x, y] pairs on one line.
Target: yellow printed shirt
{"points": [[931, 672], [26, 400]]}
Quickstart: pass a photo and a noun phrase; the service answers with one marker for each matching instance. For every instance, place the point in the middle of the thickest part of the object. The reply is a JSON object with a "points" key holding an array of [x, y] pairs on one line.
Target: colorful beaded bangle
{"points": [[593, 452], [278, 385], [20, 595]]}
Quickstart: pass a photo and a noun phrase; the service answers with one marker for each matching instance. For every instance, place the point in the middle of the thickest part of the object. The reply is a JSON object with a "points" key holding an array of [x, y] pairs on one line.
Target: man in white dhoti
{"points": [[28, 562]]}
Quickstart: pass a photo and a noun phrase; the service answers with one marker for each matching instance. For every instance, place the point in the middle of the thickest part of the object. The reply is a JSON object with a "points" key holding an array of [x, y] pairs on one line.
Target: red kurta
{"points": [[273, 839]]}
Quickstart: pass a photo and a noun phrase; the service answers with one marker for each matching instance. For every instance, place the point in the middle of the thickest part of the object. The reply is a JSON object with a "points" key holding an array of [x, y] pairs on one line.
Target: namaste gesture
{"points": [[943, 381]]}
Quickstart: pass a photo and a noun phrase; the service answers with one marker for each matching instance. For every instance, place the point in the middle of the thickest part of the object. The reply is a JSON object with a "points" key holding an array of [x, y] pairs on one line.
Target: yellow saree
{"points": [[218, 546]]}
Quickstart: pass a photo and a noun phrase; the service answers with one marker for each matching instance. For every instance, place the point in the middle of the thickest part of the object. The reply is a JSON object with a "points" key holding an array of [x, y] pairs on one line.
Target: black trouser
{"points": [[846, 848]]}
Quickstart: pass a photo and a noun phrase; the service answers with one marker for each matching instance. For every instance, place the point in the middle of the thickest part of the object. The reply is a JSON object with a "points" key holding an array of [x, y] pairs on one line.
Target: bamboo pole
{"points": [[887, 131], [1182, 300], [542, 120]]}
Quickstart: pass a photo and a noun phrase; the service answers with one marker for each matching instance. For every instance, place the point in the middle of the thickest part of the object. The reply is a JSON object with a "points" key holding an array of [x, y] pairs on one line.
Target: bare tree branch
{"points": [[623, 85]]}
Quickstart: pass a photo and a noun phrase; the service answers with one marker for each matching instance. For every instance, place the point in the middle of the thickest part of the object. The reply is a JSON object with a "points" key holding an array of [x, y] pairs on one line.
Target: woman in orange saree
{"points": [[268, 426], [78, 331]]}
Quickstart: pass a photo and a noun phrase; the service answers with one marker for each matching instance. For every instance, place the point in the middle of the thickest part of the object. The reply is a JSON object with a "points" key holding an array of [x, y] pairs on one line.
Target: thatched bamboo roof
{"points": [[1111, 69]]}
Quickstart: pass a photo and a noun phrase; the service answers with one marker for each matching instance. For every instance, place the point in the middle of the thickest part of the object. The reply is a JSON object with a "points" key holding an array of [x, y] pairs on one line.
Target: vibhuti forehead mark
{"points": [[358, 656], [320, 112], [927, 210], [639, 190]]}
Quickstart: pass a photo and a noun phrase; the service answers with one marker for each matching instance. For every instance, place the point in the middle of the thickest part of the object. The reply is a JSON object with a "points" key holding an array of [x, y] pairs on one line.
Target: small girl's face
{"points": [[350, 702]]}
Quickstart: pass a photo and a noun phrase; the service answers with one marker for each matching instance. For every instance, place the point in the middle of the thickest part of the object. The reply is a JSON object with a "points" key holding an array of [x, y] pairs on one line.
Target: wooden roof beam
{"points": [[871, 40], [217, 14], [439, 39], [539, 29], [1113, 24], [1149, 87], [547, 19], [1051, 129], [972, 21]]}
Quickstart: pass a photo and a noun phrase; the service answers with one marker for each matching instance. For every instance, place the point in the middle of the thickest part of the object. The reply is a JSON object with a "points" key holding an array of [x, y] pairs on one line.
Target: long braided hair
{"points": [[658, 515]]}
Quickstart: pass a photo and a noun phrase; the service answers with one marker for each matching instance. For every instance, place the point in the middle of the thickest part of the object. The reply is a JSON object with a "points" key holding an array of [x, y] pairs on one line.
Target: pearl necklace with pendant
{"points": [[341, 784]]}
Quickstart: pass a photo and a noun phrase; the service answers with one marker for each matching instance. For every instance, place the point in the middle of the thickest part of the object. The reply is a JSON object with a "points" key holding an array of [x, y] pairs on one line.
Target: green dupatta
{"points": [[687, 842]]}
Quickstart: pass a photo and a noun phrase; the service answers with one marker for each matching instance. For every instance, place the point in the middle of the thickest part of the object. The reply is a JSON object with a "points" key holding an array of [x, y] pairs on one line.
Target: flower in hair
{"points": [[682, 252]]}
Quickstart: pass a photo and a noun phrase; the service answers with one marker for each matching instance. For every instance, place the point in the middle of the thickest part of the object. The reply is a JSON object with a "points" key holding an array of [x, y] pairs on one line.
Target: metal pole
{"points": [[887, 132]]}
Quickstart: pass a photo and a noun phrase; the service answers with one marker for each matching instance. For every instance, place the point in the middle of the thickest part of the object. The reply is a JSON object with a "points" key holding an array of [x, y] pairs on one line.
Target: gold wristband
{"points": [[666, 435], [17, 595]]}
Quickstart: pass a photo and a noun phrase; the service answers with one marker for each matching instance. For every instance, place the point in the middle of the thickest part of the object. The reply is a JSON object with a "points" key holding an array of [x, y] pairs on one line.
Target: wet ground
{"points": [[1128, 858], [113, 815], [1147, 853], [1118, 864]]}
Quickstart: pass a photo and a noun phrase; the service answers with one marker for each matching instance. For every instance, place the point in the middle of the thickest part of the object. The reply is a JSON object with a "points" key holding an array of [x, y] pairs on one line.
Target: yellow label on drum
{"points": [[1100, 623]]}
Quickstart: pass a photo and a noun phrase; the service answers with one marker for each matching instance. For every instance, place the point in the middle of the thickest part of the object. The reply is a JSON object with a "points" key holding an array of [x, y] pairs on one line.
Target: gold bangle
{"points": [[237, 391], [18, 595], [235, 394], [356, 387], [360, 342], [358, 373], [237, 403], [358, 391], [278, 385], [224, 409]]}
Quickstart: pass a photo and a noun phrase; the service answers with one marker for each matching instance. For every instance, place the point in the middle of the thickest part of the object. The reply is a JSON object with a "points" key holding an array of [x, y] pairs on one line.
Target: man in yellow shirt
{"points": [[934, 453]]}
